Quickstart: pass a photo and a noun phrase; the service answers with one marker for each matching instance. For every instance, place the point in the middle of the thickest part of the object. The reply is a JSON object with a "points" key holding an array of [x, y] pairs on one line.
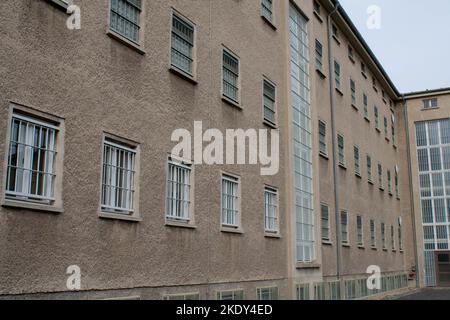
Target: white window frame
{"points": [[344, 241], [181, 296], [360, 231], [237, 206], [373, 234], [225, 97], [274, 192], [273, 293], [265, 120], [264, 7], [233, 293], [323, 138], [327, 225], [173, 67]]}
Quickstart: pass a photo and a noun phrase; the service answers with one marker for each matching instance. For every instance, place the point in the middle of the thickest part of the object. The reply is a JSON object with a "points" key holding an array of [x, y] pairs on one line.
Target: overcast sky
{"points": [[413, 43]]}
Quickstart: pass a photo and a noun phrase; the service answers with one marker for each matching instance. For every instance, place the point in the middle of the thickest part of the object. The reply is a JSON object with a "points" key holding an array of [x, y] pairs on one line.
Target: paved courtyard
{"points": [[428, 294]]}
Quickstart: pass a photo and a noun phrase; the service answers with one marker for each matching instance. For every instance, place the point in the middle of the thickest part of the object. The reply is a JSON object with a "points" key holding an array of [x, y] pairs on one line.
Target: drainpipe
{"points": [[334, 143], [411, 193]]}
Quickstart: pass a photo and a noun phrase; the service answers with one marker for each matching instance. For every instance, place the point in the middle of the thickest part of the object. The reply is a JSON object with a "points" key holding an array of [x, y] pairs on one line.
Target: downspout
{"points": [[411, 192], [334, 143]]}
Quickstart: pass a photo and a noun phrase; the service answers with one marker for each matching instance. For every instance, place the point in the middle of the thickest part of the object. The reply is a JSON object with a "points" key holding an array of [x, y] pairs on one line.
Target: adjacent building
{"points": [[91, 187]]}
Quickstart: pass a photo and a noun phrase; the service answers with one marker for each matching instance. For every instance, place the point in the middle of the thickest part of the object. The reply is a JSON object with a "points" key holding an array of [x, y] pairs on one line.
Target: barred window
{"points": [[178, 204], [344, 227], [325, 216], [271, 210], [322, 137], [182, 44], [353, 91], [430, 103], [389, 179], [269, 102], [319, 55], [366, 105], [385, 127], [356, 158], [125, 18], [377, 119], [383, 235], [266, 9], [182, 296], [380, 176], [337, 74], [369, 168], [118, 181], [31, 160], [392, 238], [230, 295], [267, 293], [360, 230], [230, 201], [230, 76], [397, 188], [341, 150], [400, 233], [373, 240]]}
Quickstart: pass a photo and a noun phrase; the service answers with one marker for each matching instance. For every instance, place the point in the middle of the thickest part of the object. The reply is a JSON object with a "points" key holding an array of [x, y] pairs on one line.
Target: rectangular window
{"points": [[271, 210], [380, 177], [397, 192], [182, 296], [335, 32], [178, 203], [366, 105], [350, 53], [356, 157], [303, 292], [266, 9], [374, 84], [118, 177], [31, 160], [230, 76], [125, 18], [353, 92], [430, 103], [319, 291], [394, 142], [341, 150], [319, 55], [385, 128], [373, 240], [337, 75], [389, 179], [392, 238], [269, 98], [369, 168], [325, 215], [322, 137], [230, 201], [360, 230], [383, 235], [230, 295], [344, 227], [363, 69], [267, 293], [400, 234], [377, 119], [383, 95], [317, 7], [182, 45]]}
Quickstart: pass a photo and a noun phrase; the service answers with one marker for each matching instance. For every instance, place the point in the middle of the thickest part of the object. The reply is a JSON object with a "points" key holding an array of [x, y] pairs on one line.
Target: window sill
{"points": [[183, 74], [384, 101], [327, 242], [391, 194], [381, 189], [364, 74], [352, 59], [370, 182], [374, 248], [272, 235], [378, 129], [361, 247], [179, 224], [318, 16], [8, 203], [385, 249], [323, 155], [358, 175], [342, 166], [307, 265], [118, 216], [270, 23], [231, 230], [125, 41], [339, 91], [337, 40], [61, 4], [375, 88], [231, 102], [346, 245], [270, 124], [320, 73], [402, 251], [432, 108], [367, 119], [387, 139], [354, 107]]}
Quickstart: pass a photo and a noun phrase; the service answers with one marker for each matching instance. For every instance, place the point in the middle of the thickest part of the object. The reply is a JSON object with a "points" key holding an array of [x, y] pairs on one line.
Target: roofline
{"points": [[360, 38], [425, 93]]}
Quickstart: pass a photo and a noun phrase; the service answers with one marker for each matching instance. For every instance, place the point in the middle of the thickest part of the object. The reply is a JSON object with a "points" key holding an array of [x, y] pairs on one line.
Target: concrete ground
{"points": [[426, 294]]}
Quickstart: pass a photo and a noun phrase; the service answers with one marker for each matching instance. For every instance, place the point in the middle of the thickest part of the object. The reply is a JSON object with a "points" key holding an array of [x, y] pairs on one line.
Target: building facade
{"points": [[97, 205]]}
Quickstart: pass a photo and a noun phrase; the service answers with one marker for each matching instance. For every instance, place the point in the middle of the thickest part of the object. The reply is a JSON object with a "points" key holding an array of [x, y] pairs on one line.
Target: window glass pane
{"points": [[433, 133], [182, 44], [125, 18], [445, 131], [421, 134]]}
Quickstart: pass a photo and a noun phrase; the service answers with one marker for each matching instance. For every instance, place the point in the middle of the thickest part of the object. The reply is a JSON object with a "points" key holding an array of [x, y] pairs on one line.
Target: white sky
{"points": [[413, 44]]}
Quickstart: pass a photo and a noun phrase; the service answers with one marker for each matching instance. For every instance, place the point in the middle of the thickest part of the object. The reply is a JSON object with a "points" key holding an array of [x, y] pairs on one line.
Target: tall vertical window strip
{"points": [[271, 210], [397, 192], [383, 235], [178, 191], [341, 150], [377, 119], [392, 238], [269, 102], [301, 140], [230, 201], [373, 240], [125, 18], [31, 160], [182, 44], [389, 179], [353, 92], [322, 137], [337, 74], [267, 9], [433, 155], [400, 234], [360, 230], [369, 168], [118, 178], [385, 127], [230, 76], [356, 158], [380, 176], [344, 227], [319, 55], [366, 105], [325, 217]]}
